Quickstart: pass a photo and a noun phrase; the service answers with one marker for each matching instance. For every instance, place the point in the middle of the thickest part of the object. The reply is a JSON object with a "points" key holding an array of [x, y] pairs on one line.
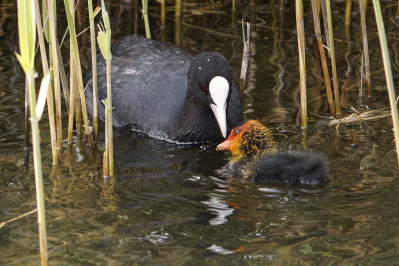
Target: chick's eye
{"points": [[203, 87], [236, 132]]}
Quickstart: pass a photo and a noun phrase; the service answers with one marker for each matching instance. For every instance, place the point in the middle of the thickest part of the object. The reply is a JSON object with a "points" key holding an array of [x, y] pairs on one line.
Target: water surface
{"points": [[173, 205]]}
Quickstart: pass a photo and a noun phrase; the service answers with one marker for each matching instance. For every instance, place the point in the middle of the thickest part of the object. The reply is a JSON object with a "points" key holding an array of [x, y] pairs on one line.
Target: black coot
{"points": [[255, 157], [167, 93]]}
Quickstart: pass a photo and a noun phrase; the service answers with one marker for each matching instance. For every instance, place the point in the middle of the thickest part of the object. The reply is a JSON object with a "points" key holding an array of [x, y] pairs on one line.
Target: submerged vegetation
{"points": [[74, 99]]}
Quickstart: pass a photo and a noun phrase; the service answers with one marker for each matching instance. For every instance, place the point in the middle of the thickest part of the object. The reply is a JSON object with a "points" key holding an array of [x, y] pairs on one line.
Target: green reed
{"points": [[388, 72], [146, 21], [94, 69], [104, 42], [27, 39]]}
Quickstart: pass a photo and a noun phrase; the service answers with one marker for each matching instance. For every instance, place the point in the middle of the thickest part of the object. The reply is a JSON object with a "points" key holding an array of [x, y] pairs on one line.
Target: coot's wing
{"points": [[149, 82]]}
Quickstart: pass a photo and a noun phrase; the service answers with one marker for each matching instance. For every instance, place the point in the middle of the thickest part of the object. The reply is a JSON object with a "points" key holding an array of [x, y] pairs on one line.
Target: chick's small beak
{"points": [[225, 145]]}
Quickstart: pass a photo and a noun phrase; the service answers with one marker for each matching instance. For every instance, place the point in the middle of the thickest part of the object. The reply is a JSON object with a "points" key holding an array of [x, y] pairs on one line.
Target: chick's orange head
{"points": [[234, 138], [248, 140]]}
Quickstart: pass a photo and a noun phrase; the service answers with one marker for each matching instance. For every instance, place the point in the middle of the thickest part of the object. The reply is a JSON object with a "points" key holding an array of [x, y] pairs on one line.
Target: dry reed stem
{"points": [[56, 77], [163, 13], [178, 21], [105, 162], [61, 70], [50, 103], [94, 70], [72, 34], [323, 6], [17, 218], [72, 82], [201, 28], [348, 12], [316, 23], [366, 116], [329, 32], [302, 62], [245, 57], [365, 46], [71, 111]]}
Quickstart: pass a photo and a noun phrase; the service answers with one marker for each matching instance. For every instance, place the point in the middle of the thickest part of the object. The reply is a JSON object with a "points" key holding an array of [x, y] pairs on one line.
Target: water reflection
{"points": [[219, 208], [171, 205]]}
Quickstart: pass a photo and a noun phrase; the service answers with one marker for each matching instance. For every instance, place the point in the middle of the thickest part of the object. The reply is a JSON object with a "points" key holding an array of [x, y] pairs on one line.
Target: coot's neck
{"points": [[197, 123]]}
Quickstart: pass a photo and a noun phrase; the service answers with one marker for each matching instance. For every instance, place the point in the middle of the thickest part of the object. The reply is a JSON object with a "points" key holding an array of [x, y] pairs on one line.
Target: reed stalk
{"points": [[317, 29], [163, 20], [323, 6], [135, 16], [74, 99], [46, 71], [365, 46], [51, 9], [163, 14], [245, 56], [361, 78], [178, 10], [74, 47], [94, 69], [78, 118], [146, 21], [348, 12], [61, 70], [70, 114], [302, 62], [27, 37], [388, 72], [73, 84], [104, 42], [27, 130], [329, 32], [365, 6]]}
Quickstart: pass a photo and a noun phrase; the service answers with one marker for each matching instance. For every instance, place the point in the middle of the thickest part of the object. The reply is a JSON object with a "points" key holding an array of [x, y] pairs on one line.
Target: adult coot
{"points": [[167, 93], [256, 157]]}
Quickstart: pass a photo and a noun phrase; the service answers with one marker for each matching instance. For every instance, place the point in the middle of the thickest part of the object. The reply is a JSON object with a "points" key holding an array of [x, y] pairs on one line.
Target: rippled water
{"points": [[177, 205]]}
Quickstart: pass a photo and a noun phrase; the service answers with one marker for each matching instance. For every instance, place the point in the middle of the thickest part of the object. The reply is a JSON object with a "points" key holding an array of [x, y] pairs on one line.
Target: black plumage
{"points": [[256, 158], [160, 90]]}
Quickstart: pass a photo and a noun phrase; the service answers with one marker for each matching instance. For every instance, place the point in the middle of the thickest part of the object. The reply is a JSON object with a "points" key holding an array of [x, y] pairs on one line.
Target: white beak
{"points": [[219, 90]]}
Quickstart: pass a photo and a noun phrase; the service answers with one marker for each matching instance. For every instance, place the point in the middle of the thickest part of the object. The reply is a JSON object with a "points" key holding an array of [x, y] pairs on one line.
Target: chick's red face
{"points": [[233, 139]]}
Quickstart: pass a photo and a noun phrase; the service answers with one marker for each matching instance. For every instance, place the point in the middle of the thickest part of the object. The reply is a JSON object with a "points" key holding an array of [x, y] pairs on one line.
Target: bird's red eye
{"points": [[203, 87]]}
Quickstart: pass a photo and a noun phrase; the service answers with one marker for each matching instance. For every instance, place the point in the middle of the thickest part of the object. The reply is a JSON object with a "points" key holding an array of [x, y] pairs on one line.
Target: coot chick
{"points": [[167, 93], [256, 158]]}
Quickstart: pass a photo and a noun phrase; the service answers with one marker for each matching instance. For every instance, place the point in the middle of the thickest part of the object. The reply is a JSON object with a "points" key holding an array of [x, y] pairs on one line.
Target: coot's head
{"points": [[248, 140], [210, 81]]}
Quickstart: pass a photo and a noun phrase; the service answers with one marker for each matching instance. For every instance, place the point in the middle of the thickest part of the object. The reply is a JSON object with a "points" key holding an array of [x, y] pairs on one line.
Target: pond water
{"points": [[174, 205]]}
